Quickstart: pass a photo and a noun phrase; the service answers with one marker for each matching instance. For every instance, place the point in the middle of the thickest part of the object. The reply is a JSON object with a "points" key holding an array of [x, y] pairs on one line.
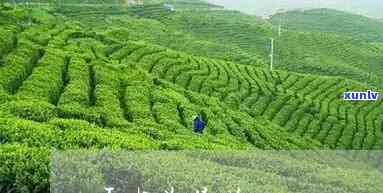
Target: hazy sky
{"points": [[372, 8]]}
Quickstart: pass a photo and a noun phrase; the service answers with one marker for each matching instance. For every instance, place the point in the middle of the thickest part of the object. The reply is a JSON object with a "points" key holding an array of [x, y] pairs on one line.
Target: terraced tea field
{"points": [[305, 105], [66, 83]]}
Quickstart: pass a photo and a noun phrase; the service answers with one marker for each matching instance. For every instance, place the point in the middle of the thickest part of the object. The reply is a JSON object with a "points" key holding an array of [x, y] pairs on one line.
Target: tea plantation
{"points": [[133, 78]]}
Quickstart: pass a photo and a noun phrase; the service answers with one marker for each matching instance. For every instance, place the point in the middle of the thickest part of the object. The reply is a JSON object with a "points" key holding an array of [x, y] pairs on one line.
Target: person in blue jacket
{"points": [[199, 124]]}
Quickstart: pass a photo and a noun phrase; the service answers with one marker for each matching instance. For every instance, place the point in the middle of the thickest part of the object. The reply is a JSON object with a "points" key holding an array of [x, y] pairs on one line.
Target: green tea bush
{"points": [[60, 40], [75, 111], [4, 97], [107, 139], [39, 35], [138, 54], [51, 68], [138, 100], [78, 11], [32, 110], [18, 65], [60, 134], [29, 133], [125, 51], [78, 86], [7, 40], [24, 169]]}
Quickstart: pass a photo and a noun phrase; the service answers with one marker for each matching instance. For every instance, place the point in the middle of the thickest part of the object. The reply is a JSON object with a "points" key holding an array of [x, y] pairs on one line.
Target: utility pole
{"points": [[272, 54], [280, 12], [29, 8], [280, 27]]}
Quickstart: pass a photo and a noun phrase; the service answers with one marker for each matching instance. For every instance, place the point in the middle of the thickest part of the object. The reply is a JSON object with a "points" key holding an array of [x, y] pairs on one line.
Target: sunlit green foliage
{"points": [[67, 82]]}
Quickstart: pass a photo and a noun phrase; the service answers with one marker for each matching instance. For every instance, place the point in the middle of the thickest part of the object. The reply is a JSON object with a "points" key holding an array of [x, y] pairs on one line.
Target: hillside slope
{"points": [[247, 41], [246, 38], [66, 83], [329, 20], [329, 54]]}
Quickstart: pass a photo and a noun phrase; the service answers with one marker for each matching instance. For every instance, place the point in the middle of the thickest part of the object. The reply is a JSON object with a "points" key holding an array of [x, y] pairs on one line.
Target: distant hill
{"points": [[329, 20], [195, 4], [329, 54]]}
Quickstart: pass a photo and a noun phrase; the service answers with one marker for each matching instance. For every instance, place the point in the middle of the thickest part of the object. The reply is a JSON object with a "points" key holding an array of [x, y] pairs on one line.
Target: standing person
{"points": [[198, 124]]}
